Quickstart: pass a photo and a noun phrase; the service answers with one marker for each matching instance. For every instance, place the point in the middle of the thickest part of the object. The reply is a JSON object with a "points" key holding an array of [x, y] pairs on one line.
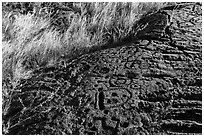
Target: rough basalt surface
{"points": [[152, 86]]}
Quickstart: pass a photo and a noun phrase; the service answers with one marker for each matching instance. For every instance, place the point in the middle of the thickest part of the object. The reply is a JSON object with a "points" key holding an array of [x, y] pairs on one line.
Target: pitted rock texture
{"points": [[153, 86]]}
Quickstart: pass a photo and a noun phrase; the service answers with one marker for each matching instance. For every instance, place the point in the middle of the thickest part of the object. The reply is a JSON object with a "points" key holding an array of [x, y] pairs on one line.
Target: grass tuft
{"points": [[41, 36]]}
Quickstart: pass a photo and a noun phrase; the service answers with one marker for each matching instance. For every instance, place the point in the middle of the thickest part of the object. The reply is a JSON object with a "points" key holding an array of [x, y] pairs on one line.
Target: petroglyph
{"points": [[153, 86]]}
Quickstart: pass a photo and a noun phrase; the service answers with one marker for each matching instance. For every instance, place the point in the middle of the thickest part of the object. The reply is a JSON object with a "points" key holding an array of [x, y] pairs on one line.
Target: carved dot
{"points": [[93, 128], [86, 110], [124, 124], [108, 101], [104, 70], [100, 89], [114, 94], [124, 95], [90, 124], [105, 111], [131, 75], [106, 77]]}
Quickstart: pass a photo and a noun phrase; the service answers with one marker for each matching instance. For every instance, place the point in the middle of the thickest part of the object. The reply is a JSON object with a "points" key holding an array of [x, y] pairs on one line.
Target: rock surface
{"points": [[152, 86]]}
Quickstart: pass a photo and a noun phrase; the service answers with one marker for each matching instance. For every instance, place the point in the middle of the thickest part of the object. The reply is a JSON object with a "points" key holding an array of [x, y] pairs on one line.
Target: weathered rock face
{"points": [[153, 86]]}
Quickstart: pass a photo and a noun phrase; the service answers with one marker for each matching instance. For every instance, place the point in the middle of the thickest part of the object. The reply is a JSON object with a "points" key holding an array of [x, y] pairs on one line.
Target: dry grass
{"points": [[31, 40]]}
